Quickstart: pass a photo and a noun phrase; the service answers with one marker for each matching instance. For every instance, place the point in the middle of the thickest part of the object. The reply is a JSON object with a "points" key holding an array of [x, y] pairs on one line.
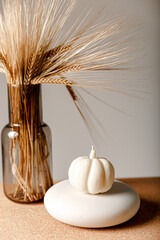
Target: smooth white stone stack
{"points": [[68, 205]]}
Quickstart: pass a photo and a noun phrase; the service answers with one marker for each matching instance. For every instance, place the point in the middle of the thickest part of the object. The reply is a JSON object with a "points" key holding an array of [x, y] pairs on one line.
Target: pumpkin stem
{"points": [[92, 153]]}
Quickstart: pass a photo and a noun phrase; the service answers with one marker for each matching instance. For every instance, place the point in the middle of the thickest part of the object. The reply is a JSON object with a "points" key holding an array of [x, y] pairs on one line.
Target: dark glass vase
{"points": [[26, 146]]}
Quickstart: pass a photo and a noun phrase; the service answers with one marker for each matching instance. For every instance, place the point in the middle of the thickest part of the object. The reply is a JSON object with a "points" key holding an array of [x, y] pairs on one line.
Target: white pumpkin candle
{"points": [[91, 174]]}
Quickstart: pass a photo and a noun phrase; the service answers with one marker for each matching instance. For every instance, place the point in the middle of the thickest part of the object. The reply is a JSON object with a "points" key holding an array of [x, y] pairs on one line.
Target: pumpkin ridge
{"points": [[104, 172], [89, 169]]}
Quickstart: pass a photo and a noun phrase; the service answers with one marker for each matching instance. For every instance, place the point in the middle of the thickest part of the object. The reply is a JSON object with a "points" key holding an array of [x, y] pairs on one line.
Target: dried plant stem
{"points": [[29, 162], [38, 194]]}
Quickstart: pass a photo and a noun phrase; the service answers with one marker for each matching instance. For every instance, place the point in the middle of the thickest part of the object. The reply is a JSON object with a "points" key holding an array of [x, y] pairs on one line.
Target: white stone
{"points": [[68, 205]]}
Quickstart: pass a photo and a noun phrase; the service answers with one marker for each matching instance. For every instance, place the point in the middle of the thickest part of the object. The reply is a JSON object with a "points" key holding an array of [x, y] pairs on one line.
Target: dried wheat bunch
{"points": [[35, 47], [39, 45]]}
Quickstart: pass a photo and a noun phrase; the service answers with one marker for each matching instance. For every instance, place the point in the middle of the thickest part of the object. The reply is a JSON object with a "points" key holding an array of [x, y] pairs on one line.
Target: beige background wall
{"points": [[130, 140]]}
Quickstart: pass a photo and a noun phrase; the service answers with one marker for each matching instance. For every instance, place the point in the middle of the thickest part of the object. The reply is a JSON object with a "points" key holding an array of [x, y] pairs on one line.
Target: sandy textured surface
{"points": [[32, 222]]}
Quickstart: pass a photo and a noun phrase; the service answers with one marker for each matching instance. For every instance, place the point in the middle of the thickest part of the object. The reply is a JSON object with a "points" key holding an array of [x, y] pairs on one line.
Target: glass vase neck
{"points": [[25, 104]]}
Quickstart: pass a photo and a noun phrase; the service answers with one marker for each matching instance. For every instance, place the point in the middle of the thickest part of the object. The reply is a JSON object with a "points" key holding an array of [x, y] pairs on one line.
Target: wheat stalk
{"points": [[31, 48]]}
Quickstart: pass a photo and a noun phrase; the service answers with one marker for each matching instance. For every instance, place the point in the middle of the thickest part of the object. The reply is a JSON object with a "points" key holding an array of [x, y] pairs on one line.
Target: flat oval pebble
{"points": [[68, 205]]}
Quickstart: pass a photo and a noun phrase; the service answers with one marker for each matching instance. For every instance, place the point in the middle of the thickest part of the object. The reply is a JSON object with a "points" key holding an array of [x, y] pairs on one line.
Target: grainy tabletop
{"points": [[32, 222]]}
